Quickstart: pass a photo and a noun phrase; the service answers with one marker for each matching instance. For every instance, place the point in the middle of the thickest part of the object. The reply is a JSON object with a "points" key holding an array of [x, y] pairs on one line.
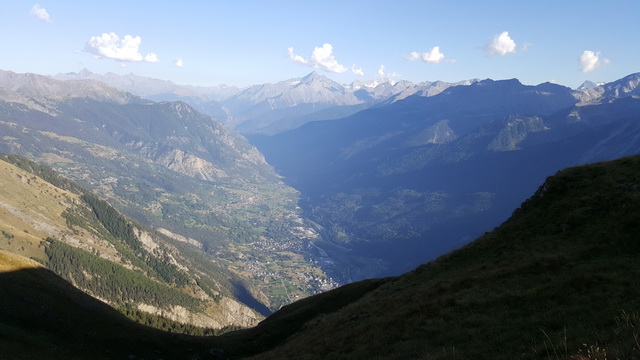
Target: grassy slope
{"points": [[30, 210], [562, 272]]}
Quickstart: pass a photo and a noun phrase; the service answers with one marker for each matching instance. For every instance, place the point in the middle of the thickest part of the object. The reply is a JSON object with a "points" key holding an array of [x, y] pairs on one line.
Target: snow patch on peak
{"points": [[589, 85]]}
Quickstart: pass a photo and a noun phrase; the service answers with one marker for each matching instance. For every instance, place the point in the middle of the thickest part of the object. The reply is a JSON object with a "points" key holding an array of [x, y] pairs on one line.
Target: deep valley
{"points": [[309, 219]]}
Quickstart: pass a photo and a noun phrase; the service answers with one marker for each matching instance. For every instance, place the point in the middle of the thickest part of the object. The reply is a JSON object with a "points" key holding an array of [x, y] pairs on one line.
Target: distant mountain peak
{"points": [[589, 85], [625, 87], [513, 81], [313, 77], [85, 72], [371, 84]]}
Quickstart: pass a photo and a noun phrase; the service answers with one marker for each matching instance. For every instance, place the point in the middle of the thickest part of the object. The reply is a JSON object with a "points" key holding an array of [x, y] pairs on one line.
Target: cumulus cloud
{"points": [[383, 73], [178, 62], [590, 60], [40, 13], [110, 46], [433, 56], [500, 44], [151, 58], [357, 71], [320, 58]]}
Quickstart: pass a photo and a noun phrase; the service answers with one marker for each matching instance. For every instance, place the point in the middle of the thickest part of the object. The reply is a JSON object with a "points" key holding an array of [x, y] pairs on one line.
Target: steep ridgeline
{"points": [[393, 186], [627, 86], [175, 170], [272, 108], [86, 241]]}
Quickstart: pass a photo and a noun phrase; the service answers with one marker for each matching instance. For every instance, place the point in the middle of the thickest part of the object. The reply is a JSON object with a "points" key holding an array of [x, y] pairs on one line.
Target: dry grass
{"points": [[30, 210], [12, 262]]}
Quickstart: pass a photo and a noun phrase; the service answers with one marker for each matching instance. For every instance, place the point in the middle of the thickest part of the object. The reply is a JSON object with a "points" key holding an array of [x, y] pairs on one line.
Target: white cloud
{"points": [[151, 58], [40, 12], [178, 62], [433, 56], [500, 44], [357, 71], [110, 46], [590, 60], [296, 58], [320, 58], [413, 56], [383, 73]]}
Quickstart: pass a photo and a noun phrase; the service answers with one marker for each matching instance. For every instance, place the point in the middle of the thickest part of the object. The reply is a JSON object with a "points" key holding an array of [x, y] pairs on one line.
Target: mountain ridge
{"points": [[251, 109], [245, 109]]}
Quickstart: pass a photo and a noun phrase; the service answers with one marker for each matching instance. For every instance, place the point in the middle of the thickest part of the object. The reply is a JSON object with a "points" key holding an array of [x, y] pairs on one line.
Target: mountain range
{"points": [[357, 181], [271, 108]]}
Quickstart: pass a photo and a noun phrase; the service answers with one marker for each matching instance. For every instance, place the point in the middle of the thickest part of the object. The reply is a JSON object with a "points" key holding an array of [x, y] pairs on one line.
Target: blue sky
{"points": [[251, 42]]}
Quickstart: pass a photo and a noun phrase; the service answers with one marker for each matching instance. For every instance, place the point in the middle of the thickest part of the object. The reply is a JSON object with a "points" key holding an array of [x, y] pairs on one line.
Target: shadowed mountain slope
{"points": [[43, 316]]}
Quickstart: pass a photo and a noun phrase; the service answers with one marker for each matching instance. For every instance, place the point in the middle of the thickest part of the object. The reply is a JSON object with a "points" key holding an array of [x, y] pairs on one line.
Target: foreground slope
{"points": [[561, 272], [44, 317]]}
